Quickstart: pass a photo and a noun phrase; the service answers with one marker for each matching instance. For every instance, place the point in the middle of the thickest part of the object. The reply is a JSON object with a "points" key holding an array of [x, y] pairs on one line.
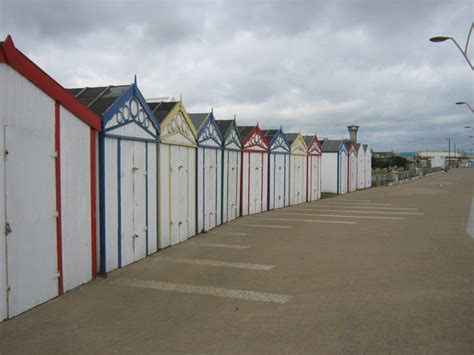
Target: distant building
{"points": [[383, 155]]}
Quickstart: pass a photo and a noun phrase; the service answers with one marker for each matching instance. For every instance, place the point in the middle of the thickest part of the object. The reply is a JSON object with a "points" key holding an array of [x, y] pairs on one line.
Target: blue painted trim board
{"points": [[119, 204]]}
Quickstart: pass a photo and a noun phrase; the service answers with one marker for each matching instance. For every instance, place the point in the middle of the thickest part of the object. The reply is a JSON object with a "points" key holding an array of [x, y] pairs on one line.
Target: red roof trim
{"points": [[264, 139], [23, 65]]}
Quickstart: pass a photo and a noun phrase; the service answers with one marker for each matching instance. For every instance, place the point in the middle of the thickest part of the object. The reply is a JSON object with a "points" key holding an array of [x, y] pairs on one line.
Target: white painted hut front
{"points": [[127, 173], [177, 173], [231, 160], [368, 166], [209, 171], [47, 186], [278, 169], [254, 165], [360, 166], [334, 167], [351, 166], [313, 168], [298, 168]]}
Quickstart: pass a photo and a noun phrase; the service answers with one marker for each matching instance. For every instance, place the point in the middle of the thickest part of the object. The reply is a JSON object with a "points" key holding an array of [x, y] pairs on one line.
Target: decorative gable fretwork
{"points": [[314, 148], [210, 134], [132, 112], [298, 146], [178, 131], [256, 142], [279, 144], [233, 139]]}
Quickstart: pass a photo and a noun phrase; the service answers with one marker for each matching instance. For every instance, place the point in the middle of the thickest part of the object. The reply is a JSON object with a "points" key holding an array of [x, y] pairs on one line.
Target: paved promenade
{"points": [[389, 269]]}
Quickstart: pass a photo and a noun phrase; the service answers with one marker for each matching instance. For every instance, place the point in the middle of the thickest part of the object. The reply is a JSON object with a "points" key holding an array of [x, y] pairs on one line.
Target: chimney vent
{"points": [[353, 133]]}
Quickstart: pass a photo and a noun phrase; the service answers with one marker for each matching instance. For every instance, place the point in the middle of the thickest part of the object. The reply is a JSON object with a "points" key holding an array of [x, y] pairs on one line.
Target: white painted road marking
{"points": [[219, 245], [263, 226], [231, 233], [205, 290], [307, 220], [353, 211], [368, 207], [358, 203], [216, 263], [338, 216]]}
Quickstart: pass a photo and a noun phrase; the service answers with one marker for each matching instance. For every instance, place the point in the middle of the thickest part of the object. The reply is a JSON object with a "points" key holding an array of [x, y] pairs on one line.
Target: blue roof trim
{"points": [[132, 91], [274, 141], [205, 135]]}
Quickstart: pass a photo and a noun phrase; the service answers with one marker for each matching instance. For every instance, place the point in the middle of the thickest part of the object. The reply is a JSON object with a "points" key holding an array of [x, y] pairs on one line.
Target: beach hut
{"points": [[231, 160], [127, 173], [360, 166], [368, 166], [177, 173], [334, 166], [278, 169], [298, 168], [313, 171], [47, 186], [209, 171], [254, 170], [351, 166]]}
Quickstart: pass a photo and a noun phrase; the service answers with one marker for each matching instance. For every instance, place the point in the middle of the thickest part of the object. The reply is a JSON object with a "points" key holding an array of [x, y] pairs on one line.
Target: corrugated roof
{"points": [[161, 109], [291, 137], [198, 119], [224, 125], [100, 98], [245, 130], [269, 134], [308, 139], [332, 145]]}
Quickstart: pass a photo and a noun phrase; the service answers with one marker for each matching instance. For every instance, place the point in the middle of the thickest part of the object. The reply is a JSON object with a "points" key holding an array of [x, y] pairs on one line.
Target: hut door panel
{"points": [[127, 201], [175, 193], [139, 201], [279, 180], [183, 194], [210, 192], [233, 181], [255, 182], [30, 195]]}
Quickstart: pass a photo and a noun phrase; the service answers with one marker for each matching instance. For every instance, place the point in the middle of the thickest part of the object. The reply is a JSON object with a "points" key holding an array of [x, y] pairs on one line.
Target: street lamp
{"points": [[438, 39], [465, 103]]}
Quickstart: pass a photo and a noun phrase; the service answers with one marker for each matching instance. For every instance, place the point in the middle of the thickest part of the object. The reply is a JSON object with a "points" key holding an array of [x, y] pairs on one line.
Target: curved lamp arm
{"points": [[464, 52]]}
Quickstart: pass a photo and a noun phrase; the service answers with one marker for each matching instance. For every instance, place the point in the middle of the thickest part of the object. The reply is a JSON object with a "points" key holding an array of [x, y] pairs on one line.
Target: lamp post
{"points": [[438, 39], [449, 151], [465, 103]]}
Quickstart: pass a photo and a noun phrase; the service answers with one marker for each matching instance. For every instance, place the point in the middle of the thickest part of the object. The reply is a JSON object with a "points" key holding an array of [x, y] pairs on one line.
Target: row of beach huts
{"points": [[96, 178]]}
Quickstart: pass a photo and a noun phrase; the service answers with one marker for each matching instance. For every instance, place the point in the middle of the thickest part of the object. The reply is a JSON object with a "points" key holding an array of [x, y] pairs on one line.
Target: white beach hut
{"points": [[47, 186], [313, 168], [298, 168], [334, 167], [177, 173]]}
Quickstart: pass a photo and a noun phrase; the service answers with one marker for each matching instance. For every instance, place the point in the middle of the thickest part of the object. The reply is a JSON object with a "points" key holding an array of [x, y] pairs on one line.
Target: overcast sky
{"points": [[311, 66]]}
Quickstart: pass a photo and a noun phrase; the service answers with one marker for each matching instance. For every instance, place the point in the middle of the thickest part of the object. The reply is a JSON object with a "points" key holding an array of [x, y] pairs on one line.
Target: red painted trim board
{"points": [[93, 202]]}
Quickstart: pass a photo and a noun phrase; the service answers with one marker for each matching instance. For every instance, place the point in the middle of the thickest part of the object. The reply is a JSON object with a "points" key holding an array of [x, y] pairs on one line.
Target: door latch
{"points": [[8, 229]]}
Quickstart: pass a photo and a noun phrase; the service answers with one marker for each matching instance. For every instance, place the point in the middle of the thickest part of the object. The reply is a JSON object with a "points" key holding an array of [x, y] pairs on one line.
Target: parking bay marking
{"points": [[339, 216], [354, 211], [221, 245], [262, 226], [207, 262], [205, 290], [367, 207], [307, 220]]}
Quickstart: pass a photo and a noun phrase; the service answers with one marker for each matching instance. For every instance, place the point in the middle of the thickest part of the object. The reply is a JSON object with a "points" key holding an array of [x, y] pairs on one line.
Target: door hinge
{"points": [[9, 288], [54, 155], [55, 214], [134, 169], [5, 153], [57, 275], [8, 229]]}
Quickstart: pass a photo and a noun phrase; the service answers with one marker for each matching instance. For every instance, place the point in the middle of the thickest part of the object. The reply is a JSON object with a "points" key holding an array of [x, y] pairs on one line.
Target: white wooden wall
{"points": [[361, 168], [343, 173], [29, 115], [254, 194], [177, 194], [368, 168], [209, 188], [314, 176], [279, 170], [231, 185], [297, 179], [76, 200], [353, 172], [329, 172]]}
